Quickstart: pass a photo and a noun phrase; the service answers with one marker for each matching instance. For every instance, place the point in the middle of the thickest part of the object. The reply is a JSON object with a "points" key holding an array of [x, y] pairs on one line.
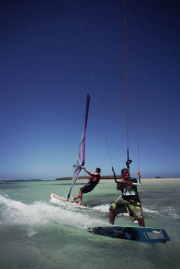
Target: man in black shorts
{"points": [[93, 181]]}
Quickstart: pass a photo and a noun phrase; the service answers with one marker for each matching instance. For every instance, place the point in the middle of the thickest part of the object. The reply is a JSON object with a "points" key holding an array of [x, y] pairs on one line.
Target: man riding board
{"points": [[88, 187], [130, 201]]}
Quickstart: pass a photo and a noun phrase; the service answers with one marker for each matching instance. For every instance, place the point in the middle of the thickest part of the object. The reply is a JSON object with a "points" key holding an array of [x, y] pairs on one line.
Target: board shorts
{"points": [[132, 206], [87, 188]]}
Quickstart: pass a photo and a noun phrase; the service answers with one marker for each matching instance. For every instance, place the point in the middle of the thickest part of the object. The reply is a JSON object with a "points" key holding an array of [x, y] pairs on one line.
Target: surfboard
{"points": [[140, 234], [57, 197]]}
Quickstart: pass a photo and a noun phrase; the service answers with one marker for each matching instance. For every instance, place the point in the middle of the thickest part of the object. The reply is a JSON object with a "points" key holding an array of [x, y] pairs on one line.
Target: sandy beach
{"points": [[150, 179], [159, 179]]}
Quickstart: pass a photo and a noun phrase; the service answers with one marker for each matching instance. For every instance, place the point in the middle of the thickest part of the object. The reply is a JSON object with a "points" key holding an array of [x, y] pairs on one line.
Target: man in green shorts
{"points": [[130, 201]]}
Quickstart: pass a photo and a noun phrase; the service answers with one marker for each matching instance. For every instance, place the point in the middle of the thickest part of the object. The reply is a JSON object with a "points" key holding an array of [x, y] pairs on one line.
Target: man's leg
{"points": [[115, 209], [141, 222], [80, 197], [135, 212], [112, 216], [75, 198]]}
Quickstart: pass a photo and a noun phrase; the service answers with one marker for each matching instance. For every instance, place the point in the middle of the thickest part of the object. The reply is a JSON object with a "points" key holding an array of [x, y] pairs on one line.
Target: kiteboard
{"points": [[140, 234]]}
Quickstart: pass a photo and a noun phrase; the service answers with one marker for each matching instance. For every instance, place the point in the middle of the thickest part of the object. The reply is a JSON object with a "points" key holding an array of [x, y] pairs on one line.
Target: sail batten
{"points": [[81, 152]]}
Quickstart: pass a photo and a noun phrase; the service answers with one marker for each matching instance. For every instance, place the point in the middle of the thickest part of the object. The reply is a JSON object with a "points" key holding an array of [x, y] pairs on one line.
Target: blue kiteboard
{"points": [[140, 234]]}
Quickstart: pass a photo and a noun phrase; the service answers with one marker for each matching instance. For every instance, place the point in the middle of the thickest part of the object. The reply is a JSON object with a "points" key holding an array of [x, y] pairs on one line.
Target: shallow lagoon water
{"points": [[37, 232]]}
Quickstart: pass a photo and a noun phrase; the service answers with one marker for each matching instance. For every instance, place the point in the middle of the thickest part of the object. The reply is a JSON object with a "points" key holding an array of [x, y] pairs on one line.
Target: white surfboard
{"points": [[57, 197]]}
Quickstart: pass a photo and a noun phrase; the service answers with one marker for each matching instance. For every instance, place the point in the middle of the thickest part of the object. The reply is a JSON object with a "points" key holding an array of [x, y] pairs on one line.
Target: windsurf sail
{"points": [[81, 153]]}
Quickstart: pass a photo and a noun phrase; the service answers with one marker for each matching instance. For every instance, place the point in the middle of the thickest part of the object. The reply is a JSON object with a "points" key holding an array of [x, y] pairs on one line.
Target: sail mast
{"points": [[81, 152]]}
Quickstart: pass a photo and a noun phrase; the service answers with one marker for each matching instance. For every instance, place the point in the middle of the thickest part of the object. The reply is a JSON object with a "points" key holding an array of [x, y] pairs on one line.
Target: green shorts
{"points": [[132, 206]]}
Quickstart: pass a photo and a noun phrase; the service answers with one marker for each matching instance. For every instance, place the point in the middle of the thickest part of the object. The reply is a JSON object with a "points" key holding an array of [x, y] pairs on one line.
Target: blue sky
{"points": [[48, 66]]}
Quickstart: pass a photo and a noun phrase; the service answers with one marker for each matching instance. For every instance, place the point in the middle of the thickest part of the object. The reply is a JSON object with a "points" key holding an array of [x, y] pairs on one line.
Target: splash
{"points": [[102, 208], [43, 214]]}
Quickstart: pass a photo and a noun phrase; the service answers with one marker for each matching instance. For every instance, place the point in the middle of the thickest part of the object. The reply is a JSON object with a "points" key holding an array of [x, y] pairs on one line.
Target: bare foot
{"points": [[72, 201], [79, 203]]}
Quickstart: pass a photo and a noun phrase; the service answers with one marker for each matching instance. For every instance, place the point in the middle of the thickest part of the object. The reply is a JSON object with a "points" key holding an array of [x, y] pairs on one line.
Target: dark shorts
{"points": [[88, 188]]}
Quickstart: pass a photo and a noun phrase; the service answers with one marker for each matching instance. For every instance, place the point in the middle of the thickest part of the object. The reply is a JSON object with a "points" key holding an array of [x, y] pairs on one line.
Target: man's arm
{"points": [[90, 173]]}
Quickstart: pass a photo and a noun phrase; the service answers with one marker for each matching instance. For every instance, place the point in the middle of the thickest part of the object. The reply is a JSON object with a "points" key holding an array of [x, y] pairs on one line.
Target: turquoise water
{"points": [[37, 232]]}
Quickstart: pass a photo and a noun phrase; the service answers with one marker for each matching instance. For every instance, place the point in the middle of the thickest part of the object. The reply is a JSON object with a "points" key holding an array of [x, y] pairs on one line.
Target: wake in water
{"points": [[104, 208], [43, 214], [40, 214], [165, 213]]}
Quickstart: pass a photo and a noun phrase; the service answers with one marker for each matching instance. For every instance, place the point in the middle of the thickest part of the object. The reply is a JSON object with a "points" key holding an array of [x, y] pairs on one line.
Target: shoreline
{"points": [[154, 179], [159, 179], [87, 178], [142, 179]]}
